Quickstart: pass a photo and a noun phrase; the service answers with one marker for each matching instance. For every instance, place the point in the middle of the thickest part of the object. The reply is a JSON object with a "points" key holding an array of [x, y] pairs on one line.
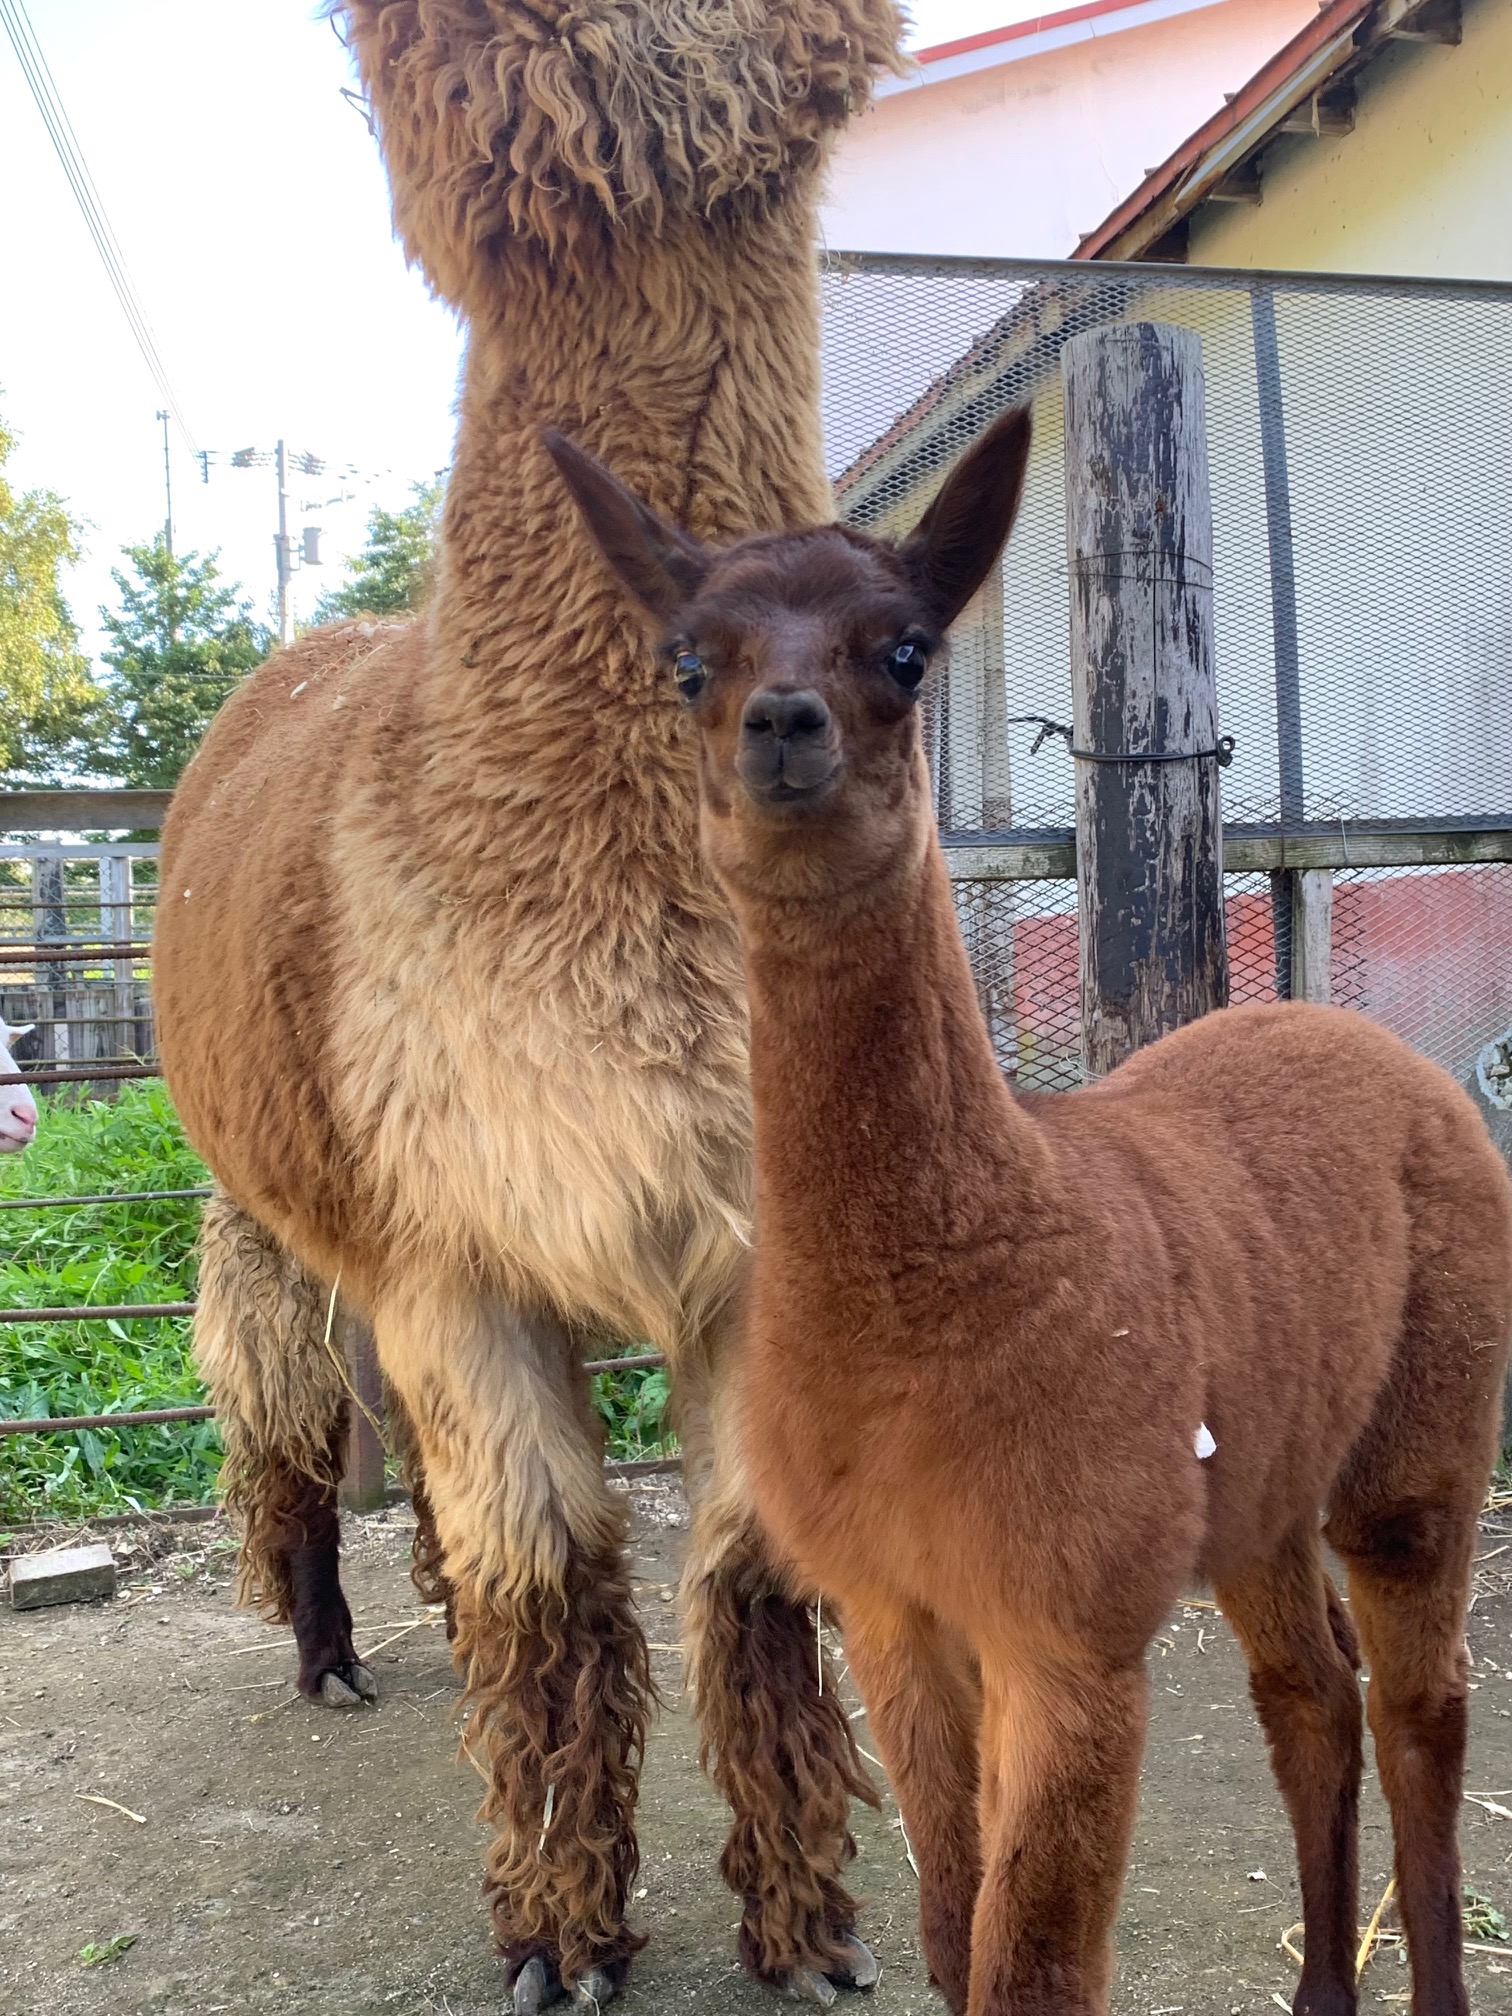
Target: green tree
{"points": [[48, 696], [180, 639], [392, 573]]}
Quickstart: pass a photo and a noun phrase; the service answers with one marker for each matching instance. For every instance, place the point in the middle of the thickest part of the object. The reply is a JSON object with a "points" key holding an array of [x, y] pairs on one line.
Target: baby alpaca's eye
{"points": [[690, 673], [908, 662]]}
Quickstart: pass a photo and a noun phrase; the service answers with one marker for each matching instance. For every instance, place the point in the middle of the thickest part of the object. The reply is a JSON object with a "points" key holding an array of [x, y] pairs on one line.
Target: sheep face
{"points": [[18, 1109]]}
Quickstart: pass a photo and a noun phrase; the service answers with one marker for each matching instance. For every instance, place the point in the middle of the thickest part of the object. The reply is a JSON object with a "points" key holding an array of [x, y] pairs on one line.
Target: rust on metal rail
{"points": [[57, 951], [97, 1312], [62, 1424], [98, 1197], [154, 1417], [80, 1074]]}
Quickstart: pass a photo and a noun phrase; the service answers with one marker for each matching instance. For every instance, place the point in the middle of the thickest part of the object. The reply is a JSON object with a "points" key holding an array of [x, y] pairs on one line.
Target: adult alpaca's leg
{"points": [[1303, 1680], [425, 1553], [281, 1400], [1060, 1751], [923, 1696], [547, 1641], [775, 1739]]}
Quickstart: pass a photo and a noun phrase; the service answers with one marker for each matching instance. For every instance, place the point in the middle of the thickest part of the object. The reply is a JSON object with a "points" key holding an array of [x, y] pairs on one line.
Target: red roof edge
{"points": [[1016, 30], [1332, 20]]}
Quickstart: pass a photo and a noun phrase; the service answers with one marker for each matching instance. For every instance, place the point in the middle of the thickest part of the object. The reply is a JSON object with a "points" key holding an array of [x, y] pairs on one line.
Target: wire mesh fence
{"points": [[1362, 502], [1362, 553]]}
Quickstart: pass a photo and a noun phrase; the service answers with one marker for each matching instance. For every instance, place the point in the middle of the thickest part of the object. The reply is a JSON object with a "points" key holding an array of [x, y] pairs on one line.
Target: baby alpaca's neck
{"points": [[884, 1127]]}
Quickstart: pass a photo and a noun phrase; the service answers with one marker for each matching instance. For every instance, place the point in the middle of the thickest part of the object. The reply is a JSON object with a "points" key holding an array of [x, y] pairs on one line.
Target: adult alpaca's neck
{"points": [[688, 364], [883, 1123]]}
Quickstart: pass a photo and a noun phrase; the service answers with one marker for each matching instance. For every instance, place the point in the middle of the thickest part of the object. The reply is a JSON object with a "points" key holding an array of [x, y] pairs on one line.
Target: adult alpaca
{"points": [[453, 867], [1278, 1229]]}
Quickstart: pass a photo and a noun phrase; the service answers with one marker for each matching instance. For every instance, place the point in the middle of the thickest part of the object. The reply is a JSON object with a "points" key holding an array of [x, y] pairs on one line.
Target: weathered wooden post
{"points": [[50, 924], [986, 908], [363, 1482], [1311, 936], [116, 924], [1149, 835]]}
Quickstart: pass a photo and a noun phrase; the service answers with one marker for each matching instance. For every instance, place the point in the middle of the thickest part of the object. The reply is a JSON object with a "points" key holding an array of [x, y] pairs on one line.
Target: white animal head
{"points": [[18, 1109]]}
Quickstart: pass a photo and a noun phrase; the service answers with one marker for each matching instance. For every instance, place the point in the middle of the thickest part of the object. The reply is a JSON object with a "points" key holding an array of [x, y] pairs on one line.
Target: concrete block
{"points": [[65, 1575]]}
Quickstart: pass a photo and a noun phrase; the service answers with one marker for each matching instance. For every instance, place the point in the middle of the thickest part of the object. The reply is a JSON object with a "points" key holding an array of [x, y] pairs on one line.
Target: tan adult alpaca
{"points": [[1278, 1230], [445, 996]]}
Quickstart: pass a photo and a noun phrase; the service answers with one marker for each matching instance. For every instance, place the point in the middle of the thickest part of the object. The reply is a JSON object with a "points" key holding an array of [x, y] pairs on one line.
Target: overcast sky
{"points": [[251, 207]]}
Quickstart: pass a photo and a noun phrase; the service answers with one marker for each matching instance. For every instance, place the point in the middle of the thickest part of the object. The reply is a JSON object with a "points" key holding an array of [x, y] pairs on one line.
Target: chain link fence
{"points": [[1360, 446]]}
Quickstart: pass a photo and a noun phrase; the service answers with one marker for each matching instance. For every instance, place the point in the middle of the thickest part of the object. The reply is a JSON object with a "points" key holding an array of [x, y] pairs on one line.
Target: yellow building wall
{"points": [[1422, 185]]}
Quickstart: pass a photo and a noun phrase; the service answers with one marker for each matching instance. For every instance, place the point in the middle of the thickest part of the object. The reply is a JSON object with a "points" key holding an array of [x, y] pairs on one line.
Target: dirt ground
{"points": [[292, 1859]]}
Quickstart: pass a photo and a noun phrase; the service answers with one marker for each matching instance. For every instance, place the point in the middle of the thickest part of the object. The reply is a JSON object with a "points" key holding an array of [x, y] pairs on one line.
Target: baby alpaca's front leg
{"points": [[1061, 1745], [923, 1698]]}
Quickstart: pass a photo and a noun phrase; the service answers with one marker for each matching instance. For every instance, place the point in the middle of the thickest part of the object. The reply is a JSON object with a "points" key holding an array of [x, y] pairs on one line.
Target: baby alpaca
{"points": [[986, 1333]]}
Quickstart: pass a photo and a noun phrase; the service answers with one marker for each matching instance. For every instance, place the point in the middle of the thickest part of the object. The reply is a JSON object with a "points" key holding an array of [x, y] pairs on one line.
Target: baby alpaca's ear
{"points": [[963, 531], [662, 567]]}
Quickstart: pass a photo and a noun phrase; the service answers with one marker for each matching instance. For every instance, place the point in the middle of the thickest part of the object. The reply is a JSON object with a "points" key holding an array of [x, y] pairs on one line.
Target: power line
{"points": [[39, 78]]}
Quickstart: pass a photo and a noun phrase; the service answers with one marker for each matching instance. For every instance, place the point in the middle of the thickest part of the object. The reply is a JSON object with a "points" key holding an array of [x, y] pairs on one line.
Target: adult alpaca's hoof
{"points": [[536, 1986], [348, 1688], [802, 1984], [596, 1988], [860, 1970], [539, 1983]]}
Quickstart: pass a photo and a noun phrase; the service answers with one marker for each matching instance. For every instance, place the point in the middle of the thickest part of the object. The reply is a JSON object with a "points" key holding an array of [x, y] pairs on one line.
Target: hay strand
{"points": [[1367, 1944], [99, 1799]]}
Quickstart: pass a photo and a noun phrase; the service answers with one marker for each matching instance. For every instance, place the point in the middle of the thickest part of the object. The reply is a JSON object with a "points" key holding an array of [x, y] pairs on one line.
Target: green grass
{"points": [[1482, 1919], [101, 1253], [140, 1253]]}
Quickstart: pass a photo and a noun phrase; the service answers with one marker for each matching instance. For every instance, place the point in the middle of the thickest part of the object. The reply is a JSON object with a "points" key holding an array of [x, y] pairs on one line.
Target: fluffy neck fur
{"points": [[692, 369], [619, 196]]}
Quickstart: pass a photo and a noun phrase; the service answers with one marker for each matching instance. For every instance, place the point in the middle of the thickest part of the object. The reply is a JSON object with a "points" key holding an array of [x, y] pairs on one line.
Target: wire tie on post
{"points": [[1046, 727], [1222, 752]]}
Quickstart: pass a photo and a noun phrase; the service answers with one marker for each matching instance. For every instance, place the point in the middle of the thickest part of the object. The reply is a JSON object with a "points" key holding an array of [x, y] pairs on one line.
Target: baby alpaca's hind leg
{"points": [[1303, 1680], [1409, 1574], [259, 1337], [1403, 1515]]}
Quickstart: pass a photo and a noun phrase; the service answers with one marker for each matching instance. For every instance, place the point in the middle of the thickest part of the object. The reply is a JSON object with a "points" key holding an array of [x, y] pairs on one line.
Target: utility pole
{"points": [[164, 416], [281, 548], [283, 545]]}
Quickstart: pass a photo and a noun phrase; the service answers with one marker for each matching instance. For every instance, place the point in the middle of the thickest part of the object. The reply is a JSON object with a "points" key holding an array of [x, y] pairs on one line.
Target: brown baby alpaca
{"points": [[447, 998], [1279, 1222]]}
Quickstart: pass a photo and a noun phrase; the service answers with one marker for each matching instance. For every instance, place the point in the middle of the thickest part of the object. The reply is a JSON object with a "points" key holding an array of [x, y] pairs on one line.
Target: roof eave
{"points": [[1344, 33]]}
